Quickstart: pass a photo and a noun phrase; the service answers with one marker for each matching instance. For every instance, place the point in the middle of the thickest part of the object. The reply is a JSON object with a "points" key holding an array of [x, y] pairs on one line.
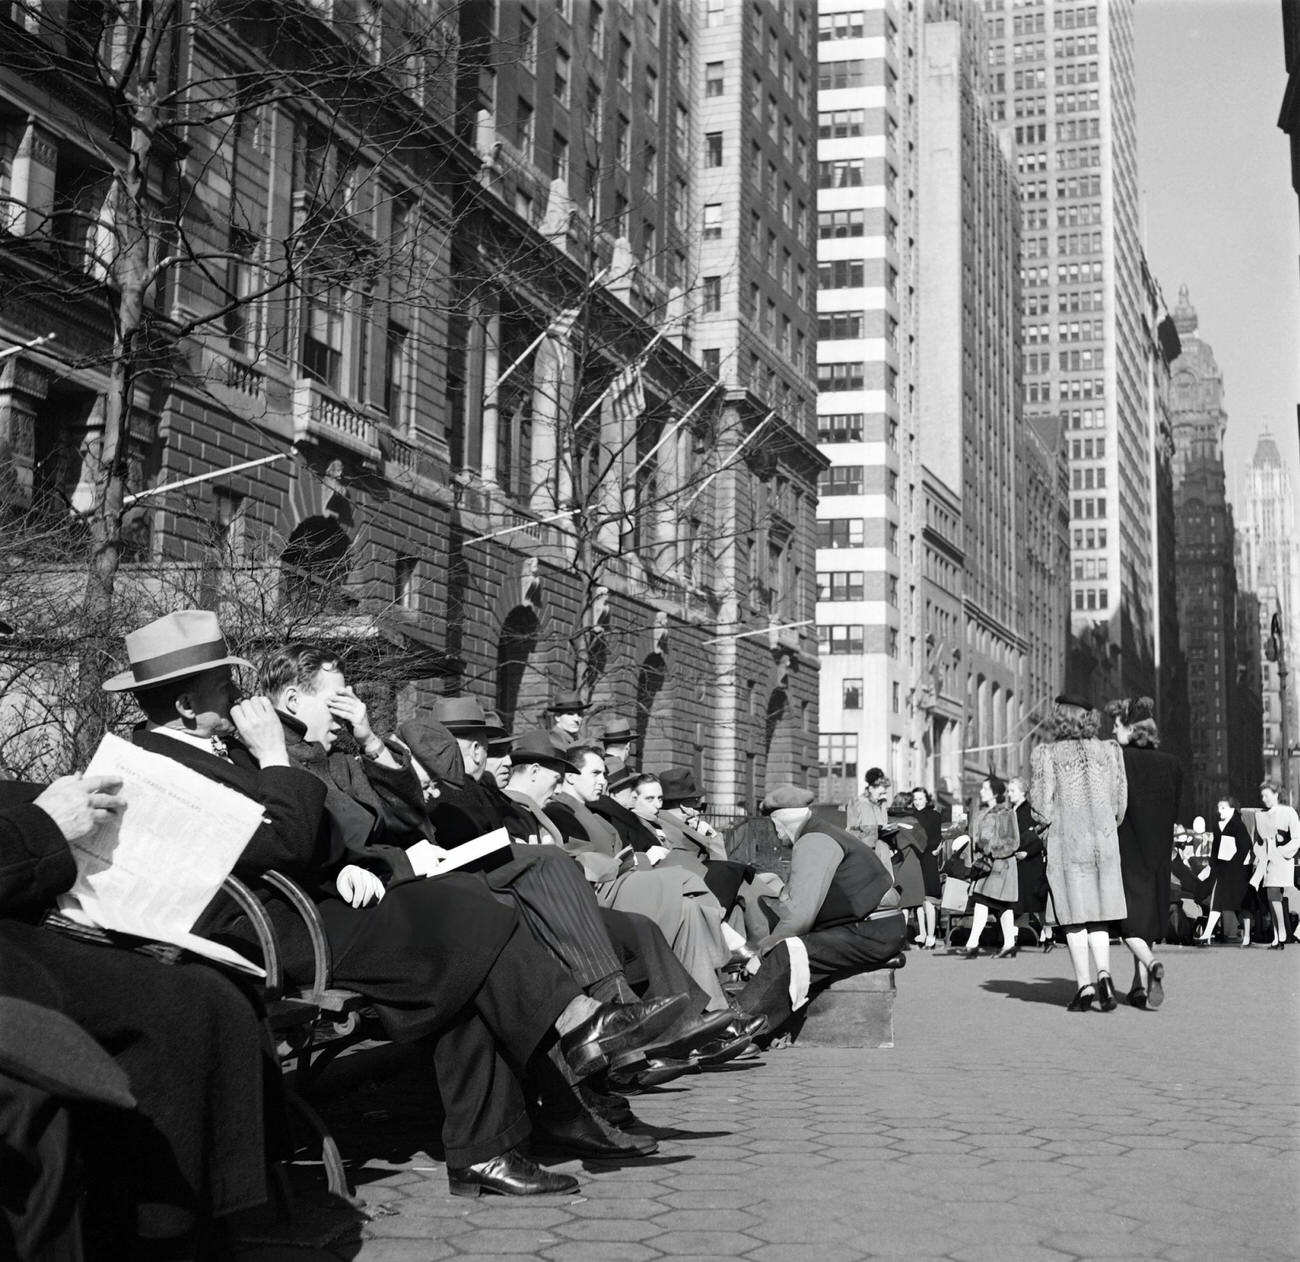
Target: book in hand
{"points": [[152, 868], [430, 860]]}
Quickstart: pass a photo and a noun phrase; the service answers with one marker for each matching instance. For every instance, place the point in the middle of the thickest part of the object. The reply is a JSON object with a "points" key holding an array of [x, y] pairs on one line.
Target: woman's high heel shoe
{"points": [[1049, 945], [1007, 953], [1106, 1000], [1278, 946], [1082, 1001]]}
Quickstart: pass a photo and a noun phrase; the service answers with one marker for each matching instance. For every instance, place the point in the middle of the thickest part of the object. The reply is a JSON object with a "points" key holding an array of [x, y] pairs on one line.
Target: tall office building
{"points": [[870, 512], [1205, 560], [1063, 81], [1269, 566], [971, 428]]}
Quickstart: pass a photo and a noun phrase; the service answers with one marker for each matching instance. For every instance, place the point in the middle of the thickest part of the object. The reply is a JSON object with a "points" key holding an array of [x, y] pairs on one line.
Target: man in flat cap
{"points": [[839, 915]]}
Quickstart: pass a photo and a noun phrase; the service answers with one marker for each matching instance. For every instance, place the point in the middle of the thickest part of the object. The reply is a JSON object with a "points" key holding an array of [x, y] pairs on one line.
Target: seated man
{"points": [[676, 899], [316, 704], [616, 739], [140, 1155], [442, 961], [839, 915], [615, 805]]}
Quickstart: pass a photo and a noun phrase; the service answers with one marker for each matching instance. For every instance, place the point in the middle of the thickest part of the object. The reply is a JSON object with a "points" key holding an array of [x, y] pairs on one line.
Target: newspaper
{"points": [[430, 860], [151, 869]]}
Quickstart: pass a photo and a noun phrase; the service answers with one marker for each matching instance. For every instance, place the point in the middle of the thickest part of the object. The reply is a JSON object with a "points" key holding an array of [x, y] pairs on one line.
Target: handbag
{"points": [[981, 865], [955, 896]]}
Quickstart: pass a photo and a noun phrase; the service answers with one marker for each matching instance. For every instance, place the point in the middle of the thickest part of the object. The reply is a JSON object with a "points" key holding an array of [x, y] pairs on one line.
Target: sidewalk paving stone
{"points": [[998, 1127]]}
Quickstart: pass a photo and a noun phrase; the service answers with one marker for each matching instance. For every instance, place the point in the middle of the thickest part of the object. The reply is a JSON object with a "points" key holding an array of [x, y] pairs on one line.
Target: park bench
{"points": [[312, 1025]]}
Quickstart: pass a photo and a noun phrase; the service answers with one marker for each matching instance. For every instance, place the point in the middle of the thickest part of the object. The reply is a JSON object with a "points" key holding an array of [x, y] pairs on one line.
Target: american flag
{"points": [[628, 395]]}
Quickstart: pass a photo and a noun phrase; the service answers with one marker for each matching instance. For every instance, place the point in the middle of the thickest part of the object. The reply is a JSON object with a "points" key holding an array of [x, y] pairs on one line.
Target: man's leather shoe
{"points": [[585, 1135], [680, 1039], [751, 1025], [616, 1031], [719, 1051], [653, 1073], [607, 1104], [510, 1174]]}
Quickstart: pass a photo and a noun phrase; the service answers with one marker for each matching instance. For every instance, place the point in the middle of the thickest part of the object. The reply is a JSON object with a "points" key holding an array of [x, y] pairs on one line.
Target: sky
{"points": [[1219, 212]]}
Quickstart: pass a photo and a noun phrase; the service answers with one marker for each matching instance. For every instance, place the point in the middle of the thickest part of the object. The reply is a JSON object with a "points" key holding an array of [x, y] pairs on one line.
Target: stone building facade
{"points": [[455, 290]]}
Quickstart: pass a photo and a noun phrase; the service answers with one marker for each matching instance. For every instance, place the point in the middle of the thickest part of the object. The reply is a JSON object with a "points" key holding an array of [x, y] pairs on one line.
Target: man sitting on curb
{"points": [[839, 915]]}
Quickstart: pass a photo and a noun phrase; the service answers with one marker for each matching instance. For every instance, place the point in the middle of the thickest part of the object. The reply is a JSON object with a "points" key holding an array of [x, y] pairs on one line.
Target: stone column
{"points": [[32, 183], [491, 370]]}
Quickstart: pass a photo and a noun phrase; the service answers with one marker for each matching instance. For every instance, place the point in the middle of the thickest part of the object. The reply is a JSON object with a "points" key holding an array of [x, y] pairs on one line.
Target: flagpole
{"points": [[753, 433], [27, 346], [695, 407], [545, 333], [604, 394]]}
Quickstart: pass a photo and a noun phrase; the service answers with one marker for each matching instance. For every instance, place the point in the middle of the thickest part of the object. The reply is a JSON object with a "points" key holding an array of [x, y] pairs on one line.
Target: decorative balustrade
{"points": [[321, 417]]}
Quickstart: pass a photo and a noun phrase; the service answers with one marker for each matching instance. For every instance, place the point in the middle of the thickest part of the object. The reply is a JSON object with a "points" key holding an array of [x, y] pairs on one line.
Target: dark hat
{"points": [[177, 645], [464, 717], [618, 774], [567, 703], [786, 797], [1070, 698], [617, 731], [536, 746], [434, 748], [497, 744], [1138, 709], [678, 784]]}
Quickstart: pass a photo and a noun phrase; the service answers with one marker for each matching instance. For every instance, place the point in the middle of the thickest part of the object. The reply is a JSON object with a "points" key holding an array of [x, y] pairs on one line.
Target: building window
{"points": [[839, 326], [562, 77], [397, 371], [711, 360], [841, 532], [840, 223], [715, 78], [559, 157], [841, 585], [841, 427], [841, 74], [713, 149], [841, 274], [838, 754], [528, 41], [840, 640], [715, 12], [844, 479], [712, 293], [841, 173], [838, 124], [712, 222], [851, 694], [322, 338], [624, 63], [841, 376], [840, 26]]}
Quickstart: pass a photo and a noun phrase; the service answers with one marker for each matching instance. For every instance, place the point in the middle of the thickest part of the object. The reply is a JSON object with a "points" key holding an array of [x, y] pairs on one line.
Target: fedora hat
{"points": [[567, 703], [186, 642], [434, 748], [678, 784], [498, 744], [463, 716], [617, 732], [536, 746], [618, 774]]}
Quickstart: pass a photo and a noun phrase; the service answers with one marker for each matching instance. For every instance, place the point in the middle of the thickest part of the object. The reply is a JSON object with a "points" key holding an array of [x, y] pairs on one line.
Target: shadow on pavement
{"points": [[1057, 991]]}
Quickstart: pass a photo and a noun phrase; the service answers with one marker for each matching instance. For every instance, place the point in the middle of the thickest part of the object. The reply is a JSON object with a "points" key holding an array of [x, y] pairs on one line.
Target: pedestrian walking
{"points": [[1231, 854], [931, 822], [1078, 787], [1031, 865], [995, 836], [1277, 841], [1155, 785]]}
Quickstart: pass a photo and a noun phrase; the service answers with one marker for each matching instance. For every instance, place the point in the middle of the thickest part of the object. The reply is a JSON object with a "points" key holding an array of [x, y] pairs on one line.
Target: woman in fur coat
{"points": [[996, 836], [1079, 789]]}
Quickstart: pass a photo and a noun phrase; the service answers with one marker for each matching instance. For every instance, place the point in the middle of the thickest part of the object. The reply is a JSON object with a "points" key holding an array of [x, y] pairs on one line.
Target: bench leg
{"points": [[331, 1158]]}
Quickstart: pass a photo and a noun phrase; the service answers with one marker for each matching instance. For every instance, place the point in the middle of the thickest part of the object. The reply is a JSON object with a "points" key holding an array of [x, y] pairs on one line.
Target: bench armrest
{"points": [[267, 942], [297, 898]]}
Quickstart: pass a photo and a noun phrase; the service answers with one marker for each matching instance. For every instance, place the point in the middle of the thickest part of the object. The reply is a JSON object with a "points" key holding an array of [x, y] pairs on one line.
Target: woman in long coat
{"points": [[1079, 790], [995, 835], [1155, 785], [1277, 841], [1031, 864], [866, 814], [932, 823], [1231, 863]]}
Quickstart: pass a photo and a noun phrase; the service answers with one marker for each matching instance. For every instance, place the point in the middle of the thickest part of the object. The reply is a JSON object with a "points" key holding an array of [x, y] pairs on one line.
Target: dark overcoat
{"points": [[419, 954], [1146, 839], [187, 1037]]}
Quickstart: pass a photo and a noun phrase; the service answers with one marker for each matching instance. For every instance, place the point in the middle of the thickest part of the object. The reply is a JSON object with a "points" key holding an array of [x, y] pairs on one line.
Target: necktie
{"points": [[219, 747]]}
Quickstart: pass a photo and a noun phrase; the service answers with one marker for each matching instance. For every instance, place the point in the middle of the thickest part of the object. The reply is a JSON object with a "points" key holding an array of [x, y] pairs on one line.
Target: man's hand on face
{"points": [[79, 804], [260, 730], [348, 708]]}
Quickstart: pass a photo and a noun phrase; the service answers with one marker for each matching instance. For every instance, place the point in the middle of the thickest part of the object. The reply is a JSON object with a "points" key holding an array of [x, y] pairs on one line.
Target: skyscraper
{"points": [[1205, 561], [1269, 566], [869, 510], [1063, 79]]}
